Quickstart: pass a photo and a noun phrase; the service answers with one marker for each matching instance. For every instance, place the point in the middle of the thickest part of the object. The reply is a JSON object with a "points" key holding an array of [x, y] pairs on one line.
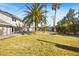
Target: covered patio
{"points": [[5, 28]]}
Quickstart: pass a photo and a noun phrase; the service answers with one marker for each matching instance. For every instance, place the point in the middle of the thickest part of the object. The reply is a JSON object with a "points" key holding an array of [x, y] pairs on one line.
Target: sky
{"points": [[18, 9]]}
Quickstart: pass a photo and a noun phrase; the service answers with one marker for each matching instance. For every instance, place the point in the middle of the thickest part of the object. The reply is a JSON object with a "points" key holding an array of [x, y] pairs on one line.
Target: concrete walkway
{"points": [[7, 36]]}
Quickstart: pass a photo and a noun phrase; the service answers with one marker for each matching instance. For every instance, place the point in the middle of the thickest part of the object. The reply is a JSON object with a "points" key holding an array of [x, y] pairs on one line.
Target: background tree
{"points": [[45, 22], [55, 6], [28, 20], [70, 23]]}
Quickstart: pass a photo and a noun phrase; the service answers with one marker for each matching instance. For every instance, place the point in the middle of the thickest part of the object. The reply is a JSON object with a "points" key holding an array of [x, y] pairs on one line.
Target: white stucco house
{"points": [[9, 23]]}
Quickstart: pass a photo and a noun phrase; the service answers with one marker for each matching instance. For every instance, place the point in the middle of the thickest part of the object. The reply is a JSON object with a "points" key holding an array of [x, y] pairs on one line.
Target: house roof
{"points": [[10, 15]]}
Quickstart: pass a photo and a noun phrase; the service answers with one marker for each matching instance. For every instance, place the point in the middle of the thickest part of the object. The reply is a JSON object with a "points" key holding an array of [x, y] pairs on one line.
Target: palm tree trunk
{"points": [[45, 18], [29, 28], [54, 21], [44, 28], [41, 26], [36, 24]]}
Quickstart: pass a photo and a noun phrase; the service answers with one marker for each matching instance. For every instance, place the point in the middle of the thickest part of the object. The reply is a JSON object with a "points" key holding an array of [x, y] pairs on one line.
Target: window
{"points": [[13, 19]]}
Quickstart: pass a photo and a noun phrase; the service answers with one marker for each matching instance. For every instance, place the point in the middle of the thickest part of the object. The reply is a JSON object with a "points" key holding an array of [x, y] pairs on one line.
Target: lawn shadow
{"points": [[28, 33], [53, 33], [66, 47], [69, 35]]}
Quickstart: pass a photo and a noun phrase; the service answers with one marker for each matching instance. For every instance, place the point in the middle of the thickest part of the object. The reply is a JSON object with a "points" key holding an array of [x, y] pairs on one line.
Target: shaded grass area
{"points": [[40, 44], [75, 49]]}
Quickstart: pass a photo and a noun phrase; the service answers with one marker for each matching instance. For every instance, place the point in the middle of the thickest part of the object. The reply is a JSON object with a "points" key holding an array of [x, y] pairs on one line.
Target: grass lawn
{"points": [[40, 44]]}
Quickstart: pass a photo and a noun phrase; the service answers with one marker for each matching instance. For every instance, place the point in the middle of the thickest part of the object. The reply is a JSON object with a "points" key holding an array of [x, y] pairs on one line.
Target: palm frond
{"points": [[29, 7]]}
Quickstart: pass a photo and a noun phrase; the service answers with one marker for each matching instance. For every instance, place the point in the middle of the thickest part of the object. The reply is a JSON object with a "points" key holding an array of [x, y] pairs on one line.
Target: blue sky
{"points": [[19, 8]]}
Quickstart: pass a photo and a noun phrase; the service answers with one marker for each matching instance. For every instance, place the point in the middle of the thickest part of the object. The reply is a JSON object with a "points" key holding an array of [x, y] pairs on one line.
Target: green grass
{"points": [[40, 44]]}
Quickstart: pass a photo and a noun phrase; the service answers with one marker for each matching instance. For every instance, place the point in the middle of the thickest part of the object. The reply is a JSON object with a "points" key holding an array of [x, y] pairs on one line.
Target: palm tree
{"points": [[55, 6], [44, 20], [45, 17], [43, 23], [69, 22], [35, 11]]}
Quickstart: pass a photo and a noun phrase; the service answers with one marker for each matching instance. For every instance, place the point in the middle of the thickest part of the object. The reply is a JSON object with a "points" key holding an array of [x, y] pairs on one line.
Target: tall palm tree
{"points": [[45, 17], [35, 11], [55, 6], [43, 23]]}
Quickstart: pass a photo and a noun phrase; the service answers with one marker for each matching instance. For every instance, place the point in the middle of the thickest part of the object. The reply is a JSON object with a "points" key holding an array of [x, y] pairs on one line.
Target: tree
{"points": [[45, 21], [61, 25], [69, 24], [27, 21], [55, 6], [35, 11]]}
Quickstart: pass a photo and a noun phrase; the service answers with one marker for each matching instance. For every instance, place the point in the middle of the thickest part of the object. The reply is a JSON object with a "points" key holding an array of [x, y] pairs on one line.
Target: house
{"points": [[9, 23]]}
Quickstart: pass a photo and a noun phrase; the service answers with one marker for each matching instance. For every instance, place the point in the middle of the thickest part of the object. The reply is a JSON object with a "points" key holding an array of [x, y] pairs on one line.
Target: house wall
{"points": [[32, 27], [9, 20], [8, 30], [1, 31], [19, 23]]}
